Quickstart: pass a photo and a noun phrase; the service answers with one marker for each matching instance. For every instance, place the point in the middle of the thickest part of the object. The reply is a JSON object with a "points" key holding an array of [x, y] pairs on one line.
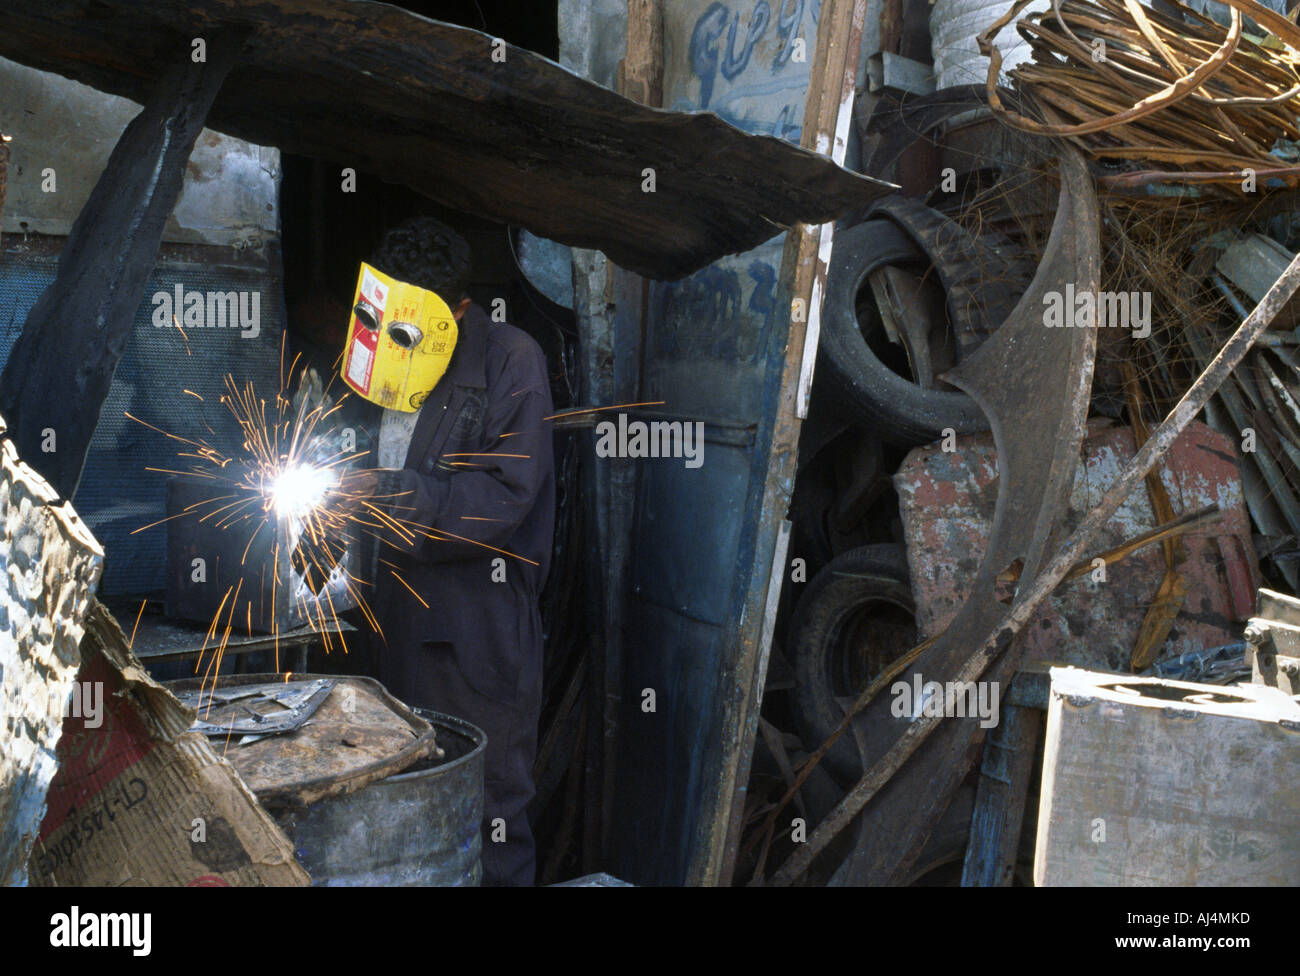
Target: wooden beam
{"points": [[640, 78], [643, 68], [59, 372]]}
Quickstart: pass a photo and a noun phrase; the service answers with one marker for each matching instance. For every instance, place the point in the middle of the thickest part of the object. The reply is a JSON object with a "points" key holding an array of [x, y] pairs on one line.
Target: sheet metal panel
{"points": [[117, 495], [715, 347]]}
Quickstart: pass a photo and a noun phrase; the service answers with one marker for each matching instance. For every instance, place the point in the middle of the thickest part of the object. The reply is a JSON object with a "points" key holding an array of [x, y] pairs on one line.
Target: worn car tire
{"points": [[860, 601], [854, 378]]}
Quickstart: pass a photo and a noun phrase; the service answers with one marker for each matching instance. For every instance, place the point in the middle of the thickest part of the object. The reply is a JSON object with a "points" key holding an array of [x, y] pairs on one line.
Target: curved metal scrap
{"points": [[460, 117], [1033, 383]]}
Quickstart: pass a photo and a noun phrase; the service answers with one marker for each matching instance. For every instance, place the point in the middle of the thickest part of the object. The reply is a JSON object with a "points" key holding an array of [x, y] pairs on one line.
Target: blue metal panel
{"points": [[715, 348], [117, 494]]}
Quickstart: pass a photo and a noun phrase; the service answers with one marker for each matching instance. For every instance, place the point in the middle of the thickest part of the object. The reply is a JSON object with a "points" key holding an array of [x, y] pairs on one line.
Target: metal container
{"points": [[420, 827]]}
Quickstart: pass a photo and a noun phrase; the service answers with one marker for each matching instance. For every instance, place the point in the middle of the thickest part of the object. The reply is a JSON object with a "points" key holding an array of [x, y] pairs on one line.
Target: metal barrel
{"points": [[421, 827]]}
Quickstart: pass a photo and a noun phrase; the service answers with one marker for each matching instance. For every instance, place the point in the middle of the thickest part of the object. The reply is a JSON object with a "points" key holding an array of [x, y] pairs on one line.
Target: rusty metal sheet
{"points": [[946, 501], [49, 566], [1033, 383], [462, 118], [357, 735]]}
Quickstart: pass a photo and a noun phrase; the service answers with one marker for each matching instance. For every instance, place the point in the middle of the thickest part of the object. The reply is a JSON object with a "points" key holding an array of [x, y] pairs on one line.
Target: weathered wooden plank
{"points": [[1150, 782], [61, 367], [641, 78], [462, 118]]}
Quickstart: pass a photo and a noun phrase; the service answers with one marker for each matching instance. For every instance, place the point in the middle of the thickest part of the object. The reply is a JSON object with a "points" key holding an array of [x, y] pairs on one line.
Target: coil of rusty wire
{"points": [[1200, 102]]}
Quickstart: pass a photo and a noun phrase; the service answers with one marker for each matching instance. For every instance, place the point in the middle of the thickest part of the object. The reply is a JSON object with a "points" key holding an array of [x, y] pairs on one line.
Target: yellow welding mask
{"points": [[400, 341]]}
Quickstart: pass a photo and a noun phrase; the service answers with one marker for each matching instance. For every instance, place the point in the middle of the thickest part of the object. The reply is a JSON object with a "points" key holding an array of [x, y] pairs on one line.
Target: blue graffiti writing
{"points": [[787, 28], [733, 64], [706, 56]]}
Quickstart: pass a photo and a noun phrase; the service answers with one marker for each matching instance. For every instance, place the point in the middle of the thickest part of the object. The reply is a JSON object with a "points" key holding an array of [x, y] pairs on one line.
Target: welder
{"points": [[465, 464]]}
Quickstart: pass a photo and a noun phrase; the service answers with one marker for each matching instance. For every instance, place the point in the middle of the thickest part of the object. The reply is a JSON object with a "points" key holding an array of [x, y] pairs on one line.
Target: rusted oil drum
{"points": [[418, 827], [369, 791]]}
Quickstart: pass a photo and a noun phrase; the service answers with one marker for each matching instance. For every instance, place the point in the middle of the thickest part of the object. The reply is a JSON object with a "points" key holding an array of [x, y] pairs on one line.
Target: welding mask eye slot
{"points": [[405, 334], [367, 314]]}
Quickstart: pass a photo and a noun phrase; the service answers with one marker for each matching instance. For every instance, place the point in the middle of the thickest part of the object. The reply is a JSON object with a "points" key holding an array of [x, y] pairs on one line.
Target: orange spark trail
{"points": [[140, 614], [612, 406], [408, 586], [176, 322]]}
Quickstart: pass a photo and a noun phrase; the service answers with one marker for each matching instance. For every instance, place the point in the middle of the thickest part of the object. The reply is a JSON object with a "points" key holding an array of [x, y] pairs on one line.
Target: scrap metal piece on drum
{"points": [[371, 792], [244, 711]]}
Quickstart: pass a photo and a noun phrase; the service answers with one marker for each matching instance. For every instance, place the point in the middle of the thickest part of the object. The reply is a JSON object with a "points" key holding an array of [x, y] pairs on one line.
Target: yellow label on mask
{"points": [[400, 341]]}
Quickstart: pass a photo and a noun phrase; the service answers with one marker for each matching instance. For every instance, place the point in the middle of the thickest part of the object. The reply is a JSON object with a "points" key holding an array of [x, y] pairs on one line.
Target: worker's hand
{"points": [[310, 394], [354, 490]]}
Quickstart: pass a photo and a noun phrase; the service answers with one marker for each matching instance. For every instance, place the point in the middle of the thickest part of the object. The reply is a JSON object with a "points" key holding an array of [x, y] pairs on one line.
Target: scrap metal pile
{"points": [[1190, 125], [1145, 162]]}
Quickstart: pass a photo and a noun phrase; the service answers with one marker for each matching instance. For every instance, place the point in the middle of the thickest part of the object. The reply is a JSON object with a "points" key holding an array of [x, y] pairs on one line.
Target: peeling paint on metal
{"points": [[946, 505]]}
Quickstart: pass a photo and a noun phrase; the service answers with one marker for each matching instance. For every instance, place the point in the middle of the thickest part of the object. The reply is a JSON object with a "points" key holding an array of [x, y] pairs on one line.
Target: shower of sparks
{"points": [[289, 487], [290, 480]]}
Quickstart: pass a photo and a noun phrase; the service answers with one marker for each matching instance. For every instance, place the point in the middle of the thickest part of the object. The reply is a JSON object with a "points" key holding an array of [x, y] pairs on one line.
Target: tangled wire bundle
{"points": [[1126, 83]]}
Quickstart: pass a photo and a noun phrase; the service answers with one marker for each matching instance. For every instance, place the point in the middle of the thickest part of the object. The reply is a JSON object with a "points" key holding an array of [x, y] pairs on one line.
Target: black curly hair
{"points": [[426, 252]]}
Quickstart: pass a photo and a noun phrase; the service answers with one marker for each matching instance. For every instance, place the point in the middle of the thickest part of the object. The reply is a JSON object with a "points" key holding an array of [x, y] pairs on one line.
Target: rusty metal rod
{"points": [[1187, 522], [1193, 401]]}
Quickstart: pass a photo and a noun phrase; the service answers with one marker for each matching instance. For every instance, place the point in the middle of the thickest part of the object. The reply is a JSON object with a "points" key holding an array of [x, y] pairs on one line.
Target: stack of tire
{"points": [[856, 614]]}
